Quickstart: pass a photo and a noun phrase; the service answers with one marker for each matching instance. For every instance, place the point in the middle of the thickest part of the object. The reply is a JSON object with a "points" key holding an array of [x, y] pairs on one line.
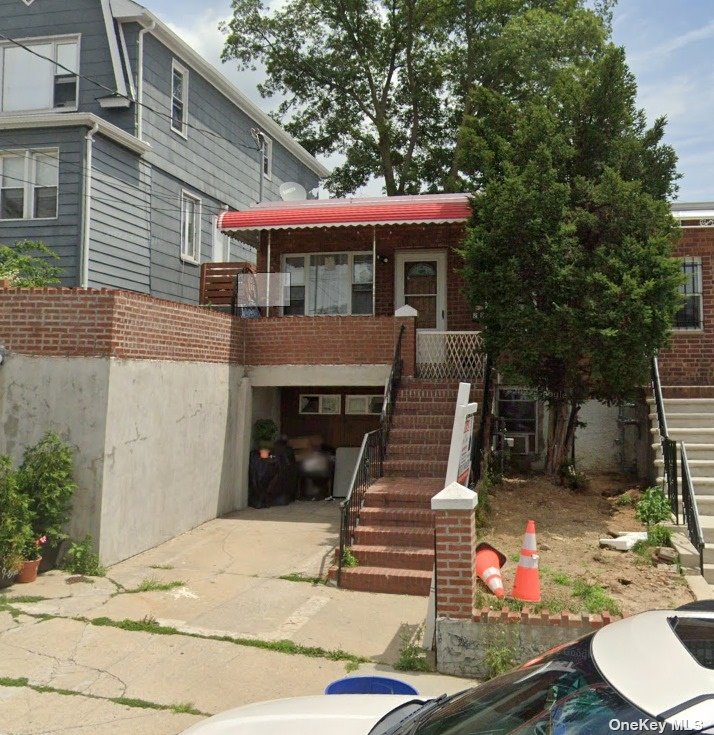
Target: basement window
{"points": [[329, 404], [363, 405], [518, 415]]}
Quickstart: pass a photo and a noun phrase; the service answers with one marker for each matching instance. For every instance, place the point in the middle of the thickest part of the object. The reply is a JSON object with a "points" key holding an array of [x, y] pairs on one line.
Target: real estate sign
{"points": [[459, 466]]}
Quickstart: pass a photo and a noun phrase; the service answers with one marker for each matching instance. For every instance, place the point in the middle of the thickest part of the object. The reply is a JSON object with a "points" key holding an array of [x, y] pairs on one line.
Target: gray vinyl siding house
{"points": [[139, 186]]}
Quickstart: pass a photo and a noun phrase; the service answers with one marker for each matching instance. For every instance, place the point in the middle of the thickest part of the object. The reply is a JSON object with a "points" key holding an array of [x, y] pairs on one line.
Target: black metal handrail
{"points": [[669, 447], [370, 461], [689, 508]]}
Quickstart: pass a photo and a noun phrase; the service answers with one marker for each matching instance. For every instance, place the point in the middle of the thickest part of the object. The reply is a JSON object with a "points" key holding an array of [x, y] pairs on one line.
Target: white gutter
{"points": [[87, 211], [267, 278], [140, 79], [374, 271], [74, 120]]}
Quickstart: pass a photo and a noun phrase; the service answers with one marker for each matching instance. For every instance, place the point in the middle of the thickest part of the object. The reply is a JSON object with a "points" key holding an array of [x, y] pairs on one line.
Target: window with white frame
{"points": [[221, 244], [329, 283], [327, 403], [179, 99], [29, 184], [356, 405], [43, 76], [518, 415], [690, 315], [190, 228], [267, 157]]}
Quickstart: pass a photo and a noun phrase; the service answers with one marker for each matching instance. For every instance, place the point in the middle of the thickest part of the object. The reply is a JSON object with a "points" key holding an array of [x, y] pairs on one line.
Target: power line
{"points": [[116, 93]]}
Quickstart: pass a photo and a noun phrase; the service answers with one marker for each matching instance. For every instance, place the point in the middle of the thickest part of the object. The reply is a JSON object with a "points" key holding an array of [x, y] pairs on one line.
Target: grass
{"points": [[181, 708], [153, 585], [297, 577], [412, 657], [594, 598], [22, 599]]}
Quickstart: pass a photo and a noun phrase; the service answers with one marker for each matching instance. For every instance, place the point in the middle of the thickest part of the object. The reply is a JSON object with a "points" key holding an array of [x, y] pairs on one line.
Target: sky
{"points": [[669, 45]]}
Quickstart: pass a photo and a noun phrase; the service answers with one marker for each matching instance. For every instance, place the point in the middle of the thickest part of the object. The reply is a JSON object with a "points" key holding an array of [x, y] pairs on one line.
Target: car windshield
{"points": [[557, 694]]}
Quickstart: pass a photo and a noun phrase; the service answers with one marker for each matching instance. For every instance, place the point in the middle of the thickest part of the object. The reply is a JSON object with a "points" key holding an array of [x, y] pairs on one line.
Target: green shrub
{"points": [[653, 508], [412, 657], [45, 478], [348, 558], [27, 265], [265, 431], [572, 477], [15, 519], [659, 536], [81, 559]]}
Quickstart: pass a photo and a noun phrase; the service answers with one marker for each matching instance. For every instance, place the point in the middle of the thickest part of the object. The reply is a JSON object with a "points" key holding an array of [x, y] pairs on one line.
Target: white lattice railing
{"points": [[450, 356]]}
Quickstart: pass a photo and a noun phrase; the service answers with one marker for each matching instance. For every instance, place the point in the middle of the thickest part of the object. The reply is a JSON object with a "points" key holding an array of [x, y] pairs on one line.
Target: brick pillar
{"points": [[455, 528], [406, 315]]}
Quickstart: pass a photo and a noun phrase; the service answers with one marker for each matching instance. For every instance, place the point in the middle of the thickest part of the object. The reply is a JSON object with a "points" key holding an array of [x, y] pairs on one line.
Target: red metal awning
{"points": [[420, 209]]}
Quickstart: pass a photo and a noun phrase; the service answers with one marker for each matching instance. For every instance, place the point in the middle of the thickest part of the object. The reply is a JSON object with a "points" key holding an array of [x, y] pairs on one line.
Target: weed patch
{"points": [[297, 577], [412, 656], [153, 585]]}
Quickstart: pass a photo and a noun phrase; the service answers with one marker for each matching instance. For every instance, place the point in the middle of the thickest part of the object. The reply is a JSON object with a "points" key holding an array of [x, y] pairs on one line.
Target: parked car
{"points": [[653, 672]]}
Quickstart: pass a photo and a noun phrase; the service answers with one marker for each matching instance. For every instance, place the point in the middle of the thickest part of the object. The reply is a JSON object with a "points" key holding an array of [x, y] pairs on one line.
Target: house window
{"points": [[690, 315], [221, 244], [363, 405], [29, 185], [518, 414], [190, 228], [34, 80], [329, 283], [179, 99], [267, 158], [329, 404]]}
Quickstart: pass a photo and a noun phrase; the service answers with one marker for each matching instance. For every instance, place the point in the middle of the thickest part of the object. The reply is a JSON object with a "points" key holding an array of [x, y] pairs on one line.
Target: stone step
{"points": [[394, 557], [697, 467], [706, 522], [691, 435], [703, 486], [423, 436], [694, 451], [438, 452], [421, 421], [684, 405], [386, 579], [407, 517], [421, 537], [415, 468], [686, 420], [705, 504]]}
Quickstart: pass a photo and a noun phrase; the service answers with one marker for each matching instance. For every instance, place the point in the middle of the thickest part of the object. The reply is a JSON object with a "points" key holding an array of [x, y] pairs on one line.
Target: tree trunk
{"points": [[563, 420]]}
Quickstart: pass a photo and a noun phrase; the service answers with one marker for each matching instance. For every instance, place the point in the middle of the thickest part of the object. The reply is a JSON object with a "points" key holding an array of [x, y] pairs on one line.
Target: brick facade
{"points": [[106, 323], [690, 358], [389, 240]]}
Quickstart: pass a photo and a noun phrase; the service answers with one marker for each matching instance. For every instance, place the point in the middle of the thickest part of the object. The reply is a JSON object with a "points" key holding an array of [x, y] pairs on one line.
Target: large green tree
{"points": [[388, 83], [569, 251]]}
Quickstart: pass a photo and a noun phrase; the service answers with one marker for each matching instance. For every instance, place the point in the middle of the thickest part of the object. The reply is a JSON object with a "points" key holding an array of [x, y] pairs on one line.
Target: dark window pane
{"points": [[297, 301], [65, 93], [177, 115], [516, 426], [46, 202], [11, 204], [362, 269], [689, 317], [362, 298], [517, 409], [310, 404]]}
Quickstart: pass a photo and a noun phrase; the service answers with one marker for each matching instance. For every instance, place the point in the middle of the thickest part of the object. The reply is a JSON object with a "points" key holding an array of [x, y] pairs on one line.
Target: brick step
{"points": [[403, 492], [408, 517], [386, 579], [425, 408], [438, 452], [415, 468], [395, 557], [421, 421], [421, 537], [419, 436]]}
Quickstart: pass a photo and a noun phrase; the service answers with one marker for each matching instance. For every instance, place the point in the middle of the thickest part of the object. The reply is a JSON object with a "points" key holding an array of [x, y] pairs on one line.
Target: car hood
{"points": [[346, 714]]}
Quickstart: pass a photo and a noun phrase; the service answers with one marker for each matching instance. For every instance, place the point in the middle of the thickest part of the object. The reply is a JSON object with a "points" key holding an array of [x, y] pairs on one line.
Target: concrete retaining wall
{"points": [[463, 646]]}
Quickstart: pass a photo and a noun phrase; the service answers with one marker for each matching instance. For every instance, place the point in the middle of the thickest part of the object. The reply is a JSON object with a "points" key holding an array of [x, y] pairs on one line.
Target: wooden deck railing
{"points": [[217, 281]]}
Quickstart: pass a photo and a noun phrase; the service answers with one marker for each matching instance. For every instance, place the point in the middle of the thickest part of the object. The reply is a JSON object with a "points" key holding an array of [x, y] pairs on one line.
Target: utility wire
{"points": [[116, 93]]}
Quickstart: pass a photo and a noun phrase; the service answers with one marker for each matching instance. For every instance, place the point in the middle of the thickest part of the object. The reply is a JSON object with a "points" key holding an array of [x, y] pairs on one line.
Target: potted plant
{"points": [[265, 431], [15, 527], [45, 479], [32, 559]]}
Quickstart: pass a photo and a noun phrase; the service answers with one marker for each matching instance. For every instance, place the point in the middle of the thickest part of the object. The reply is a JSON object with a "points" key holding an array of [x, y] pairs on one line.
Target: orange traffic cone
{"points": [[488, 566], [526, 586]]}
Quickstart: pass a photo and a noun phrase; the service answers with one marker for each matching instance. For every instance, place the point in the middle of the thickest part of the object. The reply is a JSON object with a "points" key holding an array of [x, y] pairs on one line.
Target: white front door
{"points": [[421, 284]]}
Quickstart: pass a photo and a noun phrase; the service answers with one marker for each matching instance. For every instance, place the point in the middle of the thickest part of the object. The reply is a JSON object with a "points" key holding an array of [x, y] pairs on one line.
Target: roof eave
{"points": [[325, 225]]}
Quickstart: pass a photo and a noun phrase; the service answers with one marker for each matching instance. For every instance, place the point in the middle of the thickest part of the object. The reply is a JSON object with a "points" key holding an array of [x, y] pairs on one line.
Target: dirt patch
{"points": [[568, 528]]}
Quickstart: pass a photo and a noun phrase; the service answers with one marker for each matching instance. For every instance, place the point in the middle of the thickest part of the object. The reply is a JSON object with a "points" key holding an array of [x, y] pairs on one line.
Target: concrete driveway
{"points": [[221, 624]]}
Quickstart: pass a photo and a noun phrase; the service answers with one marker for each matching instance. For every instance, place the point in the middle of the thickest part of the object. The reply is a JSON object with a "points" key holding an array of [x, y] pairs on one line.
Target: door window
{"points": [[420, 291]]}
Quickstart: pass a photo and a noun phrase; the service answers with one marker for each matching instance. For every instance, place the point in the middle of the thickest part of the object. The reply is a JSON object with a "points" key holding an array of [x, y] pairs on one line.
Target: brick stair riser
{"points": [[397, 500], [419, 437], [409, 518], [383, 582], [424, 408], [414, 451], [397, 468], [383, 536], [413, 421], [394, 559]]}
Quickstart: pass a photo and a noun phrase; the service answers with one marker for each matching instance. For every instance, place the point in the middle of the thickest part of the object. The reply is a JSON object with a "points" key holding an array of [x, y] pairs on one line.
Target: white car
{"points": [[653, 672]]}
